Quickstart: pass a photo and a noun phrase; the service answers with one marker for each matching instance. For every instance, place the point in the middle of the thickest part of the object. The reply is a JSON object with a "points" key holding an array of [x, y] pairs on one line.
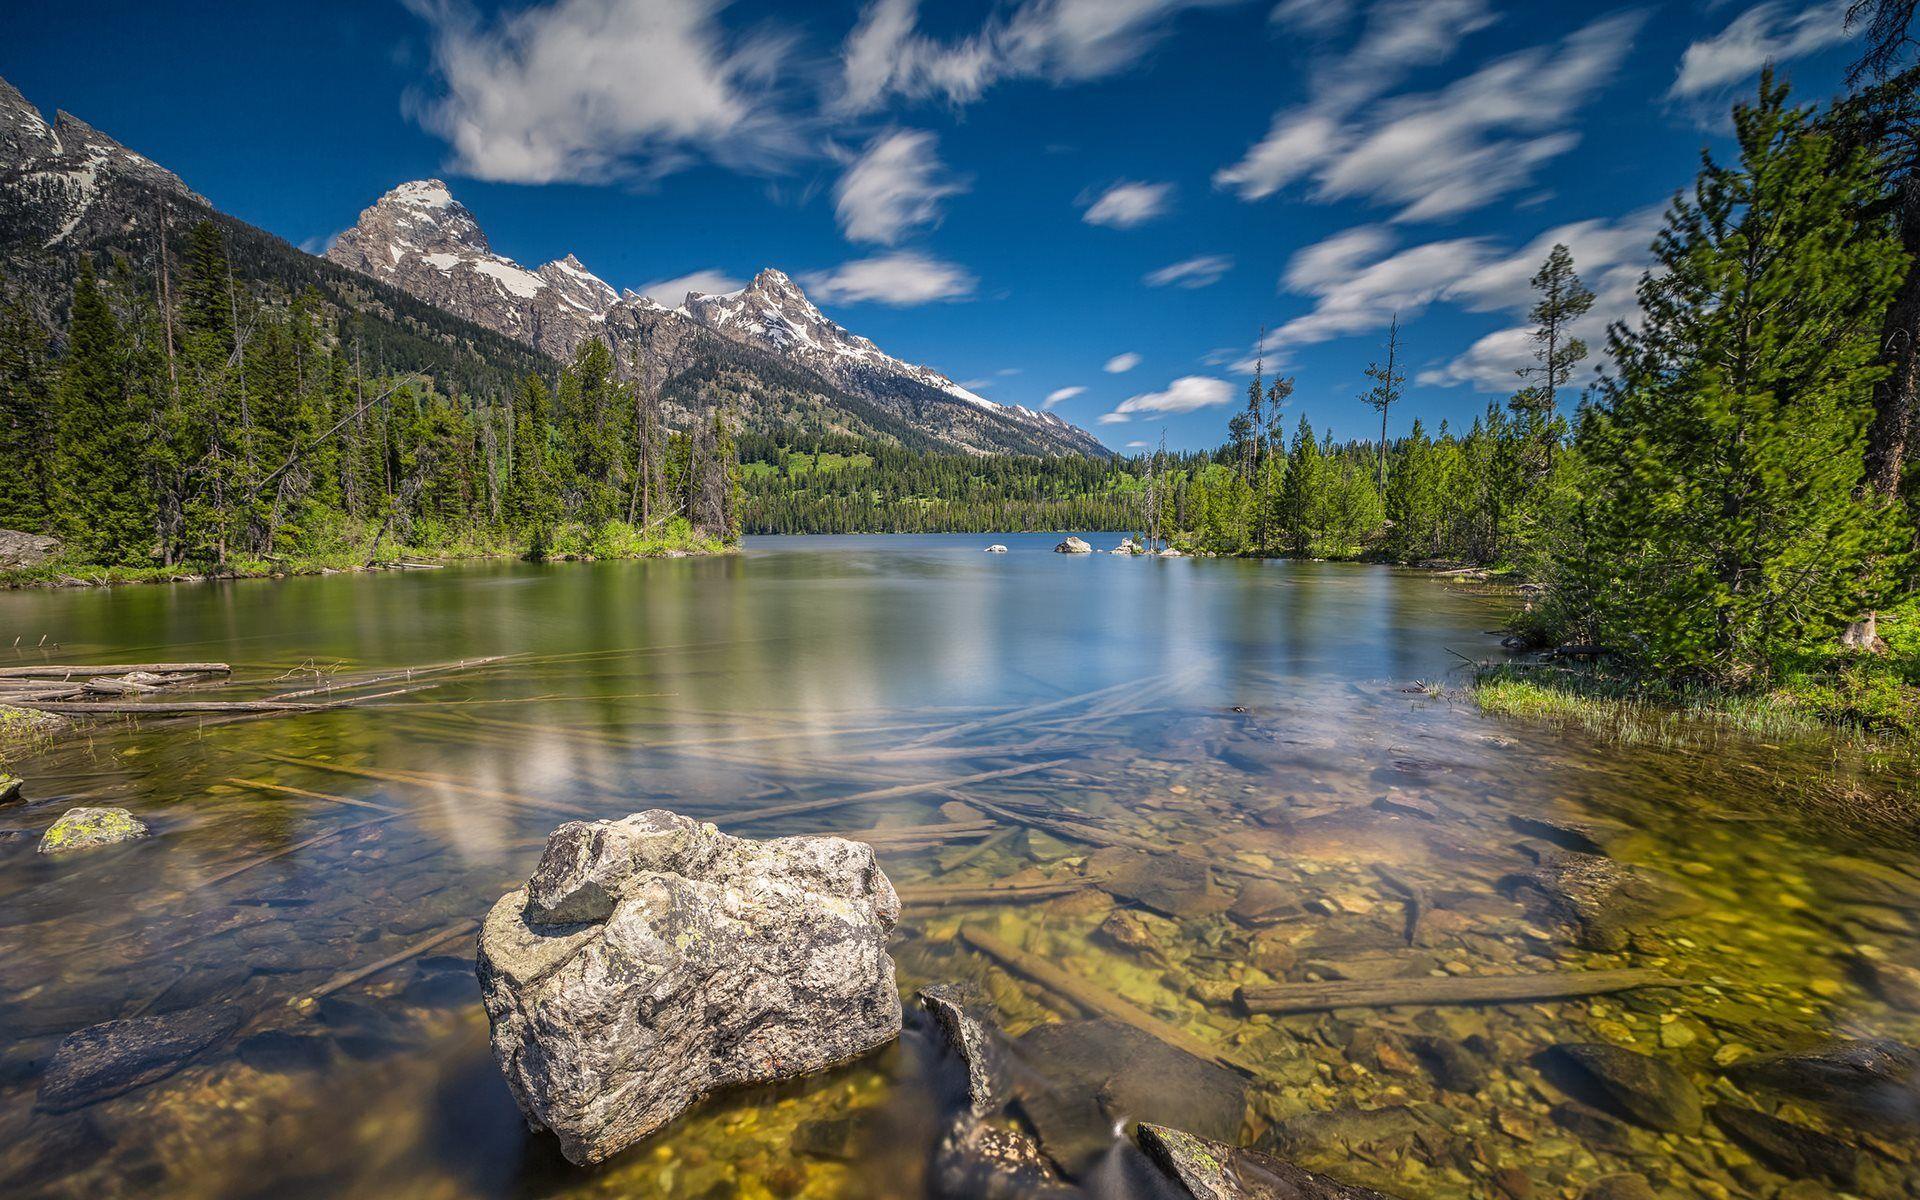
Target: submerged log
{"points": [[1474, 989], [988, 893], [349, 978], [87, 672], [1094, 999], [885, 793]]}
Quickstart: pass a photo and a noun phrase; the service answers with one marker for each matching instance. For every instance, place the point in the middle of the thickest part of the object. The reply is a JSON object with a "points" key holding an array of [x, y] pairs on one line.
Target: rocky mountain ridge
{"points": [[419, 238]]}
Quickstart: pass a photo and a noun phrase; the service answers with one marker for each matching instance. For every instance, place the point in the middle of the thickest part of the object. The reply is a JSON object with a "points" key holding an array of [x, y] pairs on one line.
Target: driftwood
{"points": [[349, 978], [895, 836], [315, 840], [163, 708], [356, 682], [885, 793], [88, 672], [1072, 830], [265, 786], [989, 893], [419, 779], [1094, 999], [1417, 903], [1472, 989]]}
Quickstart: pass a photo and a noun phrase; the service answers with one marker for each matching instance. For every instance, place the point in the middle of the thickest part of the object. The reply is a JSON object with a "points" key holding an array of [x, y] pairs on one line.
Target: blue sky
{"points": [[1093, 203]]}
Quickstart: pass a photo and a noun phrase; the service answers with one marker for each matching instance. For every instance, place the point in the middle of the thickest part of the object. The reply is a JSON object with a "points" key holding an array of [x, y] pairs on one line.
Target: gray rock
{"points": [[1211, 1170], [1637, 1086], [86, 828], [1875, 1079], [1087, 1078], [113, 1057], [19, 549], [1794, 1150], [1338, 1130], [976, 1160], [1073, 545], [972, 1044], [698, 962], [1602, 900], [996, 548]]}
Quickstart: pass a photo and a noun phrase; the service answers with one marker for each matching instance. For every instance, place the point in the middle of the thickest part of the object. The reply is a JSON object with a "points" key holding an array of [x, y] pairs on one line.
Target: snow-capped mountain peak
{"points": [[421, 239]]}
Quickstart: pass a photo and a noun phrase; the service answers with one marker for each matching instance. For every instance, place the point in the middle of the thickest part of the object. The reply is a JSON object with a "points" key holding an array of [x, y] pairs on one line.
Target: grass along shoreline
{"points": [[613, 540]]}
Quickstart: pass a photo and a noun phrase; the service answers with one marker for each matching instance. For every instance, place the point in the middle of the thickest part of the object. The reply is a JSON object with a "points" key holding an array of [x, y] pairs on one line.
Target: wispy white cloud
{"points": [[1120, 364], [1202, 271], [1062, 41], [1061, 395], [1442, 153], [1188, 393], [901, 279], [1766, 33], [711, 282], [592, 90], [894, 186], [1125, 205]]}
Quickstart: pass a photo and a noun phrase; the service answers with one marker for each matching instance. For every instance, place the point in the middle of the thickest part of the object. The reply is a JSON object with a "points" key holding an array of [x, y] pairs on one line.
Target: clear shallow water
{"points": [[812, 667]]}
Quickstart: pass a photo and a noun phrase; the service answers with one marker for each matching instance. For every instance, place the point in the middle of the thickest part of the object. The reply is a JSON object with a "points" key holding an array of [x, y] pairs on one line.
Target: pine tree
{"points": [[1385, 390], [102, 507], [1563, 301], [1727, 533], [26, 420]]}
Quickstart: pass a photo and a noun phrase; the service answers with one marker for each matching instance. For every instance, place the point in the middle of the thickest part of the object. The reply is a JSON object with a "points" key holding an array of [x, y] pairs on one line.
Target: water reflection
{"points": [[1301, 829]]}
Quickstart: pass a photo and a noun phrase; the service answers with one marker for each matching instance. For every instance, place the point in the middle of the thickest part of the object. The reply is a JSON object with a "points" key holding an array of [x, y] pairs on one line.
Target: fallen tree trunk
{"points": [[85, 672], [1094, 999], [1473, 989], [349, 978], [885, 793], [988, 893]]}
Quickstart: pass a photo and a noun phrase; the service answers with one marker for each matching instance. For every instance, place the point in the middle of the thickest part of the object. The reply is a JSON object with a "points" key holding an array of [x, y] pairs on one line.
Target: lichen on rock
{"points": [[654, 960], [85, 828]]}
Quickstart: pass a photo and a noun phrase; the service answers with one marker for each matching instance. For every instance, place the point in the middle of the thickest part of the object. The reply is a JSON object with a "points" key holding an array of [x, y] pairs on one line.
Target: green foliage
{"points": [[1724, 529]]}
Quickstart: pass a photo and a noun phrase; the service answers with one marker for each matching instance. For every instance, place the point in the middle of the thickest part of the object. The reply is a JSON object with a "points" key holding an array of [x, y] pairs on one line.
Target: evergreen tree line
{"points": [[186, 422], [1710, 508]]}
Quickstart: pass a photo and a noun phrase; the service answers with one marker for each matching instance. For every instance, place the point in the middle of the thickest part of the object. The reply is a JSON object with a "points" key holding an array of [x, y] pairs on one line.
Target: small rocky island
{"points": [[654, 960]]}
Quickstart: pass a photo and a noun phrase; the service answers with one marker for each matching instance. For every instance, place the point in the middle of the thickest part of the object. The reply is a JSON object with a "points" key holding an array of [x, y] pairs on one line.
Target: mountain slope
{"points": [[419, 238], [66, 189]]}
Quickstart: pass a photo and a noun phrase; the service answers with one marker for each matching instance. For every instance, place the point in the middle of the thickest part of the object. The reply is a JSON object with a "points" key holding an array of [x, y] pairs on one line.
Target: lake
{"points": [[1294, 733]]}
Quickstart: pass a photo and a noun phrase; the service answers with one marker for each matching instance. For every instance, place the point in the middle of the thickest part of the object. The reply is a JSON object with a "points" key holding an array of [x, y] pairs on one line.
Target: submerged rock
{"points": [[113, 1057], [1211, 1170], [975, 1158], [85, 828], [1338, 1130], [1602, 900], [10, 786], [1092, 1077], [1635, 1085], [653, 960], [1794, 1150], [1877, 1079], [971, 1043], [1073, 545]]}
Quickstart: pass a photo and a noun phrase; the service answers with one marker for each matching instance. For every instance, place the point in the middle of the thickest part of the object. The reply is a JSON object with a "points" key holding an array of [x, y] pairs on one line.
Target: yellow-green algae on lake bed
{"points": [[1334, 793]]}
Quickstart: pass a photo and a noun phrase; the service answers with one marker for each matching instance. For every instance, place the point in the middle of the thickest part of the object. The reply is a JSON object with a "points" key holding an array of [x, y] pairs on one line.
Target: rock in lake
{"points": [[10, 786], [104, 1060], [653, 960], [85, 828], [1635, 1085], [1211, 1170], [1794, 1150], [996, 548], [1073, 545], [1602, 900], [1876, 1079]]}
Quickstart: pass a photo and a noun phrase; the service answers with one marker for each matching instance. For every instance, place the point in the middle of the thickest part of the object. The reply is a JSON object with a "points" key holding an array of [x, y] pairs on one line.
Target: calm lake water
{"points": [[1259, 720]]}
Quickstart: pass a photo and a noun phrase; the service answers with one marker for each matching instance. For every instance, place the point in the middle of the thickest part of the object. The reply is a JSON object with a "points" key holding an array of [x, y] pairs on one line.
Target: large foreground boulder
{"points": [[653, 960]]}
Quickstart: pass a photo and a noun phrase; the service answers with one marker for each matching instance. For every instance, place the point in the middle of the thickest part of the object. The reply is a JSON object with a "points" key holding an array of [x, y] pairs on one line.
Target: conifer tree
{"points": [[26, 420], [1385, 390], [101, 486], [1727, 529]]}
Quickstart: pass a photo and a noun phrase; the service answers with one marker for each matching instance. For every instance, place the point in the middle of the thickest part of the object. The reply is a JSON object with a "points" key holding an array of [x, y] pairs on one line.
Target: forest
{"points": [[186, 424]]}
